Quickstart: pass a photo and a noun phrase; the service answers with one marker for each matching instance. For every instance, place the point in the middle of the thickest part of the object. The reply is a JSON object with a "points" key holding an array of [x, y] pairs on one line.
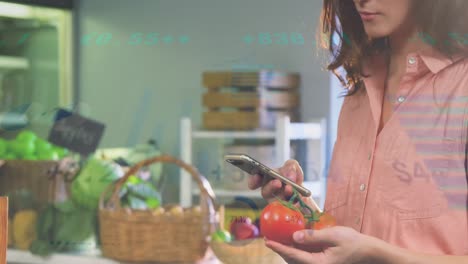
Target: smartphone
{"points": [[252, 167]]}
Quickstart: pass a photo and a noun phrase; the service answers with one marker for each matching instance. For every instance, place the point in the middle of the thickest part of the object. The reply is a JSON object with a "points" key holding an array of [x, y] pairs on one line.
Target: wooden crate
{"points": [[265, 78], [249, 100], [253, 98]]}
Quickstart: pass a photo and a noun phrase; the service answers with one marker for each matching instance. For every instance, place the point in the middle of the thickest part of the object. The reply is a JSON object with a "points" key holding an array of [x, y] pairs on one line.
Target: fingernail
{"points": [[298, 236]]}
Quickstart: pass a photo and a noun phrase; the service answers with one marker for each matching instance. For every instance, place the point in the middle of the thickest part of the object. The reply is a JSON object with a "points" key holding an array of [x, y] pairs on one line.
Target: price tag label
{"points": [[75, 132]]}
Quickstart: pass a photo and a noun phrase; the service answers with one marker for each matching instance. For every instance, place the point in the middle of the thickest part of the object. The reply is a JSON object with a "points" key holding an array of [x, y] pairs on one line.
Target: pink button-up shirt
{"points": [[407, 184]]}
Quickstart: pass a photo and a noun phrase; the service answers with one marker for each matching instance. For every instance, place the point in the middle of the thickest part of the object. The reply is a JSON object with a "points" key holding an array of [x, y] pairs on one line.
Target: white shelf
{"points": [[295, 130], [9, 62], [314, 187], [25, 257], [282, 134], [234, 134], [306, 130]]}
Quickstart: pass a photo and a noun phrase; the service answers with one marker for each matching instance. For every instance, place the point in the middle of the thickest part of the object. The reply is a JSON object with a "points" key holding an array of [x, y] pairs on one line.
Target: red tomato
{"points": [[325, 220], [278, 223]]}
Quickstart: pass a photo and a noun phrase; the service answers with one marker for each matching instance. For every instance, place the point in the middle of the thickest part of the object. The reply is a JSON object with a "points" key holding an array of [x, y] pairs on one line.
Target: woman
{"points": [[397, 183]]}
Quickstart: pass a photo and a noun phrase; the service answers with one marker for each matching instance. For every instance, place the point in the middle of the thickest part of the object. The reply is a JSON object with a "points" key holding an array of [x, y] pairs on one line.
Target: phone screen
{"points": [[250, 166]]}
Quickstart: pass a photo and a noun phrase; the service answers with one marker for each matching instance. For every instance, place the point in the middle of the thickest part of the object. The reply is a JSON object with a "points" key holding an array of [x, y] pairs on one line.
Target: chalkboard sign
{"points": [[75, 132]]}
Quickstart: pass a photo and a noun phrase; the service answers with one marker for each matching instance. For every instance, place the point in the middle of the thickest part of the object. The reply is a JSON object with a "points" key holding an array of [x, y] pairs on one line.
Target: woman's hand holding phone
{"points": [[273, 187]]}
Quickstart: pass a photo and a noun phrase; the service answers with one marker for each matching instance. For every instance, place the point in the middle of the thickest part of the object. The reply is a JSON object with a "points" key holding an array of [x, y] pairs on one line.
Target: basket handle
{"points": [[203, 184]]}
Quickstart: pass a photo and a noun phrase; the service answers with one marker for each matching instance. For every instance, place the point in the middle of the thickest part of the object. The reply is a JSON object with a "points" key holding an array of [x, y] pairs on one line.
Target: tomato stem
{"points": [[287, 204], [313, 215], [291, 201]]}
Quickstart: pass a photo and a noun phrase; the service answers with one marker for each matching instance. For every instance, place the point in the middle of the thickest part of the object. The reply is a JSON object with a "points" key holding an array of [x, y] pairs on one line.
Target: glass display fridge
{"points": [[35, 64]]}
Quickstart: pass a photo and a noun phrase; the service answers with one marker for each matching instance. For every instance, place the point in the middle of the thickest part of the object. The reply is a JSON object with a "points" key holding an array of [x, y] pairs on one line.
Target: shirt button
{"points": [[369, 156], [362, 187], [401, 99], [412, 60]]}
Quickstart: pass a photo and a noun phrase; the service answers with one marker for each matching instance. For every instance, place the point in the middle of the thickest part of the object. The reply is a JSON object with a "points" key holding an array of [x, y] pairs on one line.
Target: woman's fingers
{"points": [[255, 181], [288, 191], [293, 171], [326, 237], [295, 256], [271, 189]]}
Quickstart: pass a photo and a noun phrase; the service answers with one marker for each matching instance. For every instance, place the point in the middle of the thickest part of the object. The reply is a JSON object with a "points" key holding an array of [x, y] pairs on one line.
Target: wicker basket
{"points": [[144, 236], [251, 251]]}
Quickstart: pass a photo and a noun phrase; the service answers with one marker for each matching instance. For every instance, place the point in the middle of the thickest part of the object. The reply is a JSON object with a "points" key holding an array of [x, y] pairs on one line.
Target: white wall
{"points": [[142, 91]]}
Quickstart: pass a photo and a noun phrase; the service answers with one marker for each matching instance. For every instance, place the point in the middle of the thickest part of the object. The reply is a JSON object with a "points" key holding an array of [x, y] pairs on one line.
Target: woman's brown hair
{"points": [[438, 21]]}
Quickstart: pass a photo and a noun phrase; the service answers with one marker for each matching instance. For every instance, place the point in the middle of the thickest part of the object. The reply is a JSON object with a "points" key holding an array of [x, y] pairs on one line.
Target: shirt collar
{"points": [[431, 58], [435, 61]]}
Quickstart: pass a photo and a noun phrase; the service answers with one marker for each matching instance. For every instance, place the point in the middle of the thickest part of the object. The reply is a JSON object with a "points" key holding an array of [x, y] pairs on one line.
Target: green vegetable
{"points": [[26, 136], [146, 151], [136, 203], [10, 156], [48, 155], [22, 148], [139, 194], [42, 145], [62, 152], [64, 226], [152, 203], [221, 236], [28, 146], [144, 190], [30, 157], [92, 180], [133, 180], [3, 147]]}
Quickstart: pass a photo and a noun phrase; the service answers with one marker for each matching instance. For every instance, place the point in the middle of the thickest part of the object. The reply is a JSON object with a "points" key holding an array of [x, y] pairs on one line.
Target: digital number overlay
{"points": [[263, 38], [278, 38], [135, 39]]}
